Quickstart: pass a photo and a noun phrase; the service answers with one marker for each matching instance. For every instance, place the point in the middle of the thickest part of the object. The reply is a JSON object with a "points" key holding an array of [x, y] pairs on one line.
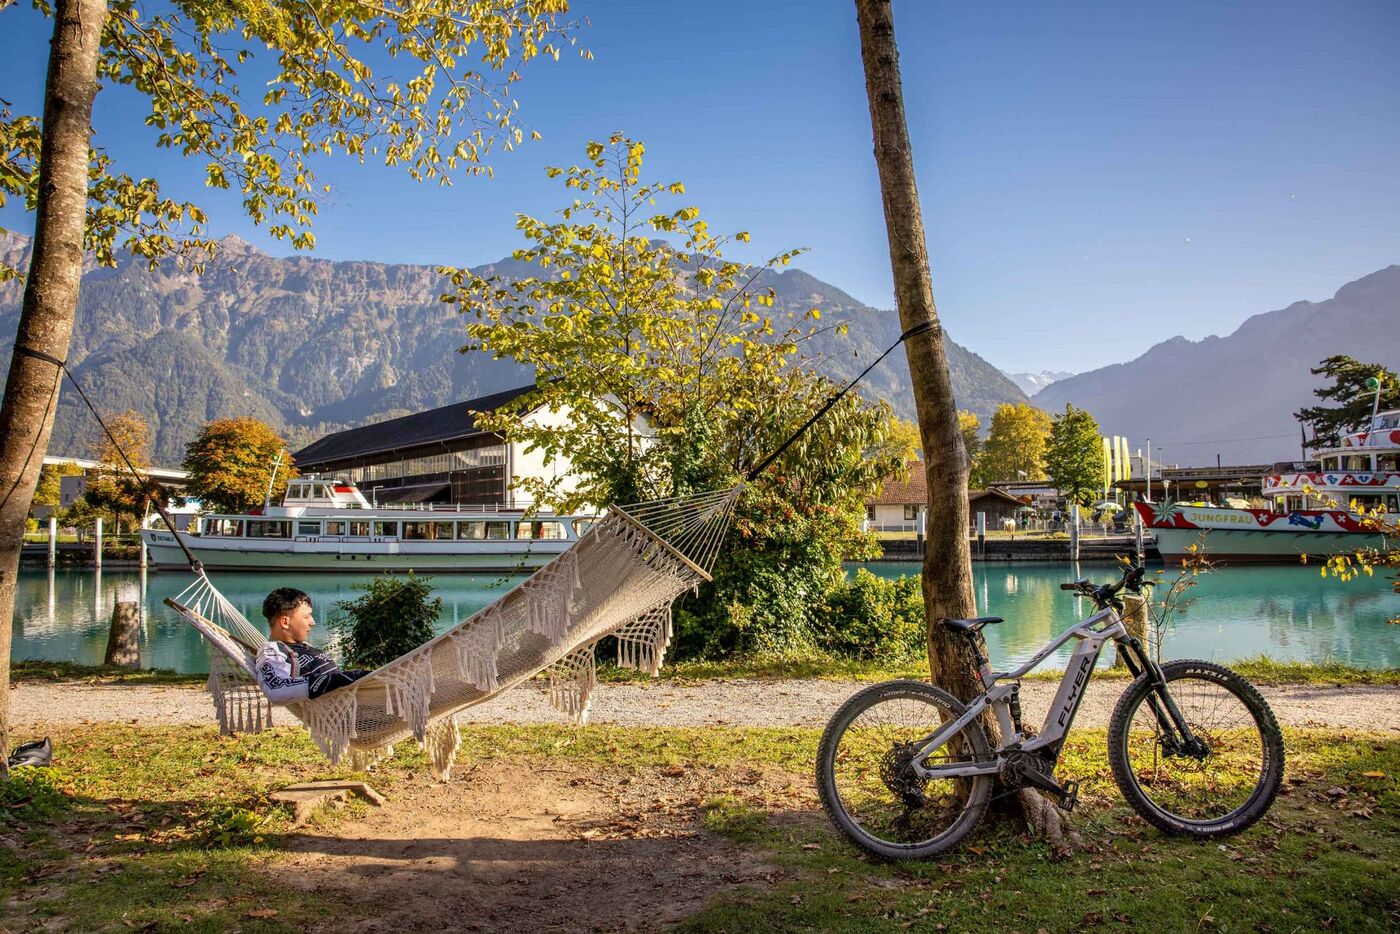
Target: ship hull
{"points": [[1239, 536], [351, 558]]}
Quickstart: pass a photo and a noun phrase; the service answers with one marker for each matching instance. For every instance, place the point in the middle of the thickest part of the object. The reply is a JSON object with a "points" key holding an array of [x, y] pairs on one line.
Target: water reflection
{"points": [[1285, 612], [65, 614]]}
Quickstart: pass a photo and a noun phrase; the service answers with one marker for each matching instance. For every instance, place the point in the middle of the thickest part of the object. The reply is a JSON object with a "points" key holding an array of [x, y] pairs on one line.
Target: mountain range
{"points": [[312, 345], [1235, 396], [1032, 383]]}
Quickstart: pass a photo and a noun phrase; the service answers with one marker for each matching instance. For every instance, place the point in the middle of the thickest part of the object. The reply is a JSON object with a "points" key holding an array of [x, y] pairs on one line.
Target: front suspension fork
{"points": [[1176, 732]]}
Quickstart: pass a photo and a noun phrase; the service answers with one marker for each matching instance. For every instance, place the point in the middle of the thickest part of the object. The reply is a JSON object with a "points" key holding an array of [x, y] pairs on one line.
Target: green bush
{"points": [[868, 617], [392, 618]]}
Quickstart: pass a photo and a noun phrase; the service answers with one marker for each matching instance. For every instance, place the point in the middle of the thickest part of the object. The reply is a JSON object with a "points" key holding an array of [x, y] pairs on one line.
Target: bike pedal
{"points": [[1069, 796]]}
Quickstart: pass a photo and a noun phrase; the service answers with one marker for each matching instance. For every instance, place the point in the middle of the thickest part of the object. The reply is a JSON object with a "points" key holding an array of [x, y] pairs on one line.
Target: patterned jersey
{"points": [[293, 671]]}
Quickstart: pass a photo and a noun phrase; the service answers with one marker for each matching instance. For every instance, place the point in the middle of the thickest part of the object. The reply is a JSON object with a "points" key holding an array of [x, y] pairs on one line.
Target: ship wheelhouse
{"points": [[1364, 469]]}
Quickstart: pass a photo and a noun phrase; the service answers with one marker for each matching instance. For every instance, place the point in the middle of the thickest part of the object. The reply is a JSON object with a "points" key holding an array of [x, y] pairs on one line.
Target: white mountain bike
{"points": [[905, 769]]}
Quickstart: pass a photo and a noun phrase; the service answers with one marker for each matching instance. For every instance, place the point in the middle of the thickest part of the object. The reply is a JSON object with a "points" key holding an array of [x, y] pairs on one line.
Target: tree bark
{"points": [[123, 638], [947, 577], [50, 294]]}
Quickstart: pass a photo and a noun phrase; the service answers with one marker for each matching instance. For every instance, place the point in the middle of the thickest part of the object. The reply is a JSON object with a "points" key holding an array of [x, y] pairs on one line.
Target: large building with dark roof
{"points": [[438, 456]]}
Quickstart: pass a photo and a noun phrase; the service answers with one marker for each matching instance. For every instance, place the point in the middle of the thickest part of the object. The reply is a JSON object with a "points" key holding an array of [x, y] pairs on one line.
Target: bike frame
{"points": [[1092, 634]]}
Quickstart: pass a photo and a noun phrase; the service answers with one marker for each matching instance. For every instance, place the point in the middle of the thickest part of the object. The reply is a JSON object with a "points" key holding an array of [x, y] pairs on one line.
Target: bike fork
{"points": [[1175, 730]]}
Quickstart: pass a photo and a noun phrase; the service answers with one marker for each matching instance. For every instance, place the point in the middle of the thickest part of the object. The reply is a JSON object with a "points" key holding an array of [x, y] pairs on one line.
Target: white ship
{"points": [[1317, 511], [328, 525]]}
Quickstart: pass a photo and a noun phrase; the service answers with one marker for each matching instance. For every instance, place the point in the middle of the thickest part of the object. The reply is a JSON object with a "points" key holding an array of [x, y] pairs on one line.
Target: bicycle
{"points": [[905, 769]]}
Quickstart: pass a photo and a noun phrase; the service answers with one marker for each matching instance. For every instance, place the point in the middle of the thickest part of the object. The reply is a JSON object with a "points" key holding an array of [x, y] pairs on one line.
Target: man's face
{"points": [[295, 625]]}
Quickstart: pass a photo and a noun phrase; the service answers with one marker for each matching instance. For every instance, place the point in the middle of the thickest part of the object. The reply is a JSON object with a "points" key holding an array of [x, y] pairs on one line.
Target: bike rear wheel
{"points": [[1215, 790], [867, 784]]}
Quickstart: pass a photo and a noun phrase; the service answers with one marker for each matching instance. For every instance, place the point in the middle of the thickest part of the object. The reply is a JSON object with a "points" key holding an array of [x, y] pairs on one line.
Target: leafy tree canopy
{"points": [[258, 90], [1352, 401], [1074, 455], [1015, 445], [231, 462], [49, 491], [112, 491], [676, 377]]}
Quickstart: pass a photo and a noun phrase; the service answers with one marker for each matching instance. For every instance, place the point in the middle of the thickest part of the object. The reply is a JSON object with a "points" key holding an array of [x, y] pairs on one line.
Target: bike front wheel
{"points": [[1220, 785], [866, 779]]}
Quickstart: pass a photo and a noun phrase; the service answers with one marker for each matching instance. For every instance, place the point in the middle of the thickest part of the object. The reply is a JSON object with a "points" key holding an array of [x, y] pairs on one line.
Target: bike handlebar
{"points": [[1134, 579]]}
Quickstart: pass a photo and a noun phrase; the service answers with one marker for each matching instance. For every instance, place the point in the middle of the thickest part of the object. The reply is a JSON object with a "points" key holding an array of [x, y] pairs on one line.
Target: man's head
{"points": [[288, 613]]}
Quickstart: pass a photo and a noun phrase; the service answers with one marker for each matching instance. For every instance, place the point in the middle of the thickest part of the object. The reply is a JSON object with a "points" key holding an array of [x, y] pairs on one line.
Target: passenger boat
{"points": [[1314, 509], [328, 525]]}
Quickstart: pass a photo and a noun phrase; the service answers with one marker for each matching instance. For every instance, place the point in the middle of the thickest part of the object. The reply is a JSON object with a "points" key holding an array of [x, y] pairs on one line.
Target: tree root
{"points": [[1045, 821]]}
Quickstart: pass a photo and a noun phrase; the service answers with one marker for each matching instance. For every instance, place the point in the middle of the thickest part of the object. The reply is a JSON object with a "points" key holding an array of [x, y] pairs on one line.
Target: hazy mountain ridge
{"points": [[1235, 395], [313, 345]]}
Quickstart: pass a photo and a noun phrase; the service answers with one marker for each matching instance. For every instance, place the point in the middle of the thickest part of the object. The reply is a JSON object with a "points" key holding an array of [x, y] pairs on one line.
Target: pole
{"points": [[1375, 408], [53, 540], [1137, 529], [1074, 533], [97, 542], [1148, 468], [982, 534], [923, 524]]}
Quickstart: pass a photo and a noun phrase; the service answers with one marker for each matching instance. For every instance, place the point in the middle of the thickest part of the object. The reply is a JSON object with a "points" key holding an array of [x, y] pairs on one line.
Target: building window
{"points": [[870, 513], [911, 513]]}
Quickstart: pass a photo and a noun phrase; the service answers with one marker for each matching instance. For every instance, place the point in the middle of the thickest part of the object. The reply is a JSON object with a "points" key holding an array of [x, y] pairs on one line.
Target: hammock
{"points": [[618, 580]]}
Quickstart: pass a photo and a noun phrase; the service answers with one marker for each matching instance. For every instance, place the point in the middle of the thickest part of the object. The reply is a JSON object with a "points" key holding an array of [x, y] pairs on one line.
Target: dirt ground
{"points": [[508, 847]]}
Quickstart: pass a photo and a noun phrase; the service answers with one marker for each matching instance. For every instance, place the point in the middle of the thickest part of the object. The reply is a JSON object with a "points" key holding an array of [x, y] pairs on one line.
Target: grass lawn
{"points": [[154, 828]]}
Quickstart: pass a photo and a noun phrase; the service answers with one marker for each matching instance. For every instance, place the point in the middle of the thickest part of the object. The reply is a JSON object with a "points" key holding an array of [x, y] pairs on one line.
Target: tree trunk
{"points": [[124, 636], [947, 578], [50, 294], [947, 561]]}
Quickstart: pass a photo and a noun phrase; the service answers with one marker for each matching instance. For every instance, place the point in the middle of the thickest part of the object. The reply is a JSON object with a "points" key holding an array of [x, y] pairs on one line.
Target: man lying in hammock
{"points": [[288, 669]]}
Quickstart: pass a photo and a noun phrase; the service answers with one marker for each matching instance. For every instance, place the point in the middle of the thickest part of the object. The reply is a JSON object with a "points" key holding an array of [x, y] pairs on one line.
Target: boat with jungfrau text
{"points": [[1341, 504]]}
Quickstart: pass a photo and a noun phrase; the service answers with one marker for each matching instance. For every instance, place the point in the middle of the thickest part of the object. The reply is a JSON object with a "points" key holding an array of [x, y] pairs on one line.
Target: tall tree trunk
{"points": [[50, 295], [947, 578]]}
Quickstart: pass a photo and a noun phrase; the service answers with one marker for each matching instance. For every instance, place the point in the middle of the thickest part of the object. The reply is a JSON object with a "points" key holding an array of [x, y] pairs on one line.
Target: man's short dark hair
{"points": [[283, 600]]}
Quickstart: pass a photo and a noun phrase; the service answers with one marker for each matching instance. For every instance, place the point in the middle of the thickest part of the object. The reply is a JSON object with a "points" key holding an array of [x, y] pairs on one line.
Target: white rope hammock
{"points": [[619, 579]]}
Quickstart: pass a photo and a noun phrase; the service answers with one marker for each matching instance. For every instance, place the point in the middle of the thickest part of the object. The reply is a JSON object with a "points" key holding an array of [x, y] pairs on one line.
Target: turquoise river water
{"points": [[1284, 612]]}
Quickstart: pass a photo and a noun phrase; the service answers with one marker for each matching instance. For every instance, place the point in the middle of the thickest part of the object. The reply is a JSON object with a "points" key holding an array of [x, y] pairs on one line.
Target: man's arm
{"points": [[278, 680]]}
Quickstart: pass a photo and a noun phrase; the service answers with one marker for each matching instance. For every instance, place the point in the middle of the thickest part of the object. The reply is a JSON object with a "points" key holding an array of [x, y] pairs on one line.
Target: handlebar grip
{"points": [[1069, 586]]}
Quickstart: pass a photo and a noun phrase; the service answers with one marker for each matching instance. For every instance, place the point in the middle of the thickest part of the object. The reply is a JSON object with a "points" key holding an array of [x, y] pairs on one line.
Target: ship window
{"points": [[497, 531], [269, 528], [232, 528], [442, 531], [308, 528], [418, 531], [335, 527], [359, 527], [1388, 462], [475, 531], [386, 529], [1356, 462], [582, 525], [543, 531]]}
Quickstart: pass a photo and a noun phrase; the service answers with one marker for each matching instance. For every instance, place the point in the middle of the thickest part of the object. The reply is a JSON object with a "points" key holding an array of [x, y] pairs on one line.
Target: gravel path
{"points": [[664, 703]]}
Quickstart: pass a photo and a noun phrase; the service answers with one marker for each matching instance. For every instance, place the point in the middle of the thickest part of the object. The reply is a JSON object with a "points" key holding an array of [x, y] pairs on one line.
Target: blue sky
{"points": [[1095, 177]]}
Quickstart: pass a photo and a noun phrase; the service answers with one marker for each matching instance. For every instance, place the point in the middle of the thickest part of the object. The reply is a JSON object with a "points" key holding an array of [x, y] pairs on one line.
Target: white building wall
{"points": [[523, 463]]}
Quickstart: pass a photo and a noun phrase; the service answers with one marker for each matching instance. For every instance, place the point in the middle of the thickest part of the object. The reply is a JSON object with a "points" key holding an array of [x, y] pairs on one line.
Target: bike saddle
{"points": [[971, 625]]}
